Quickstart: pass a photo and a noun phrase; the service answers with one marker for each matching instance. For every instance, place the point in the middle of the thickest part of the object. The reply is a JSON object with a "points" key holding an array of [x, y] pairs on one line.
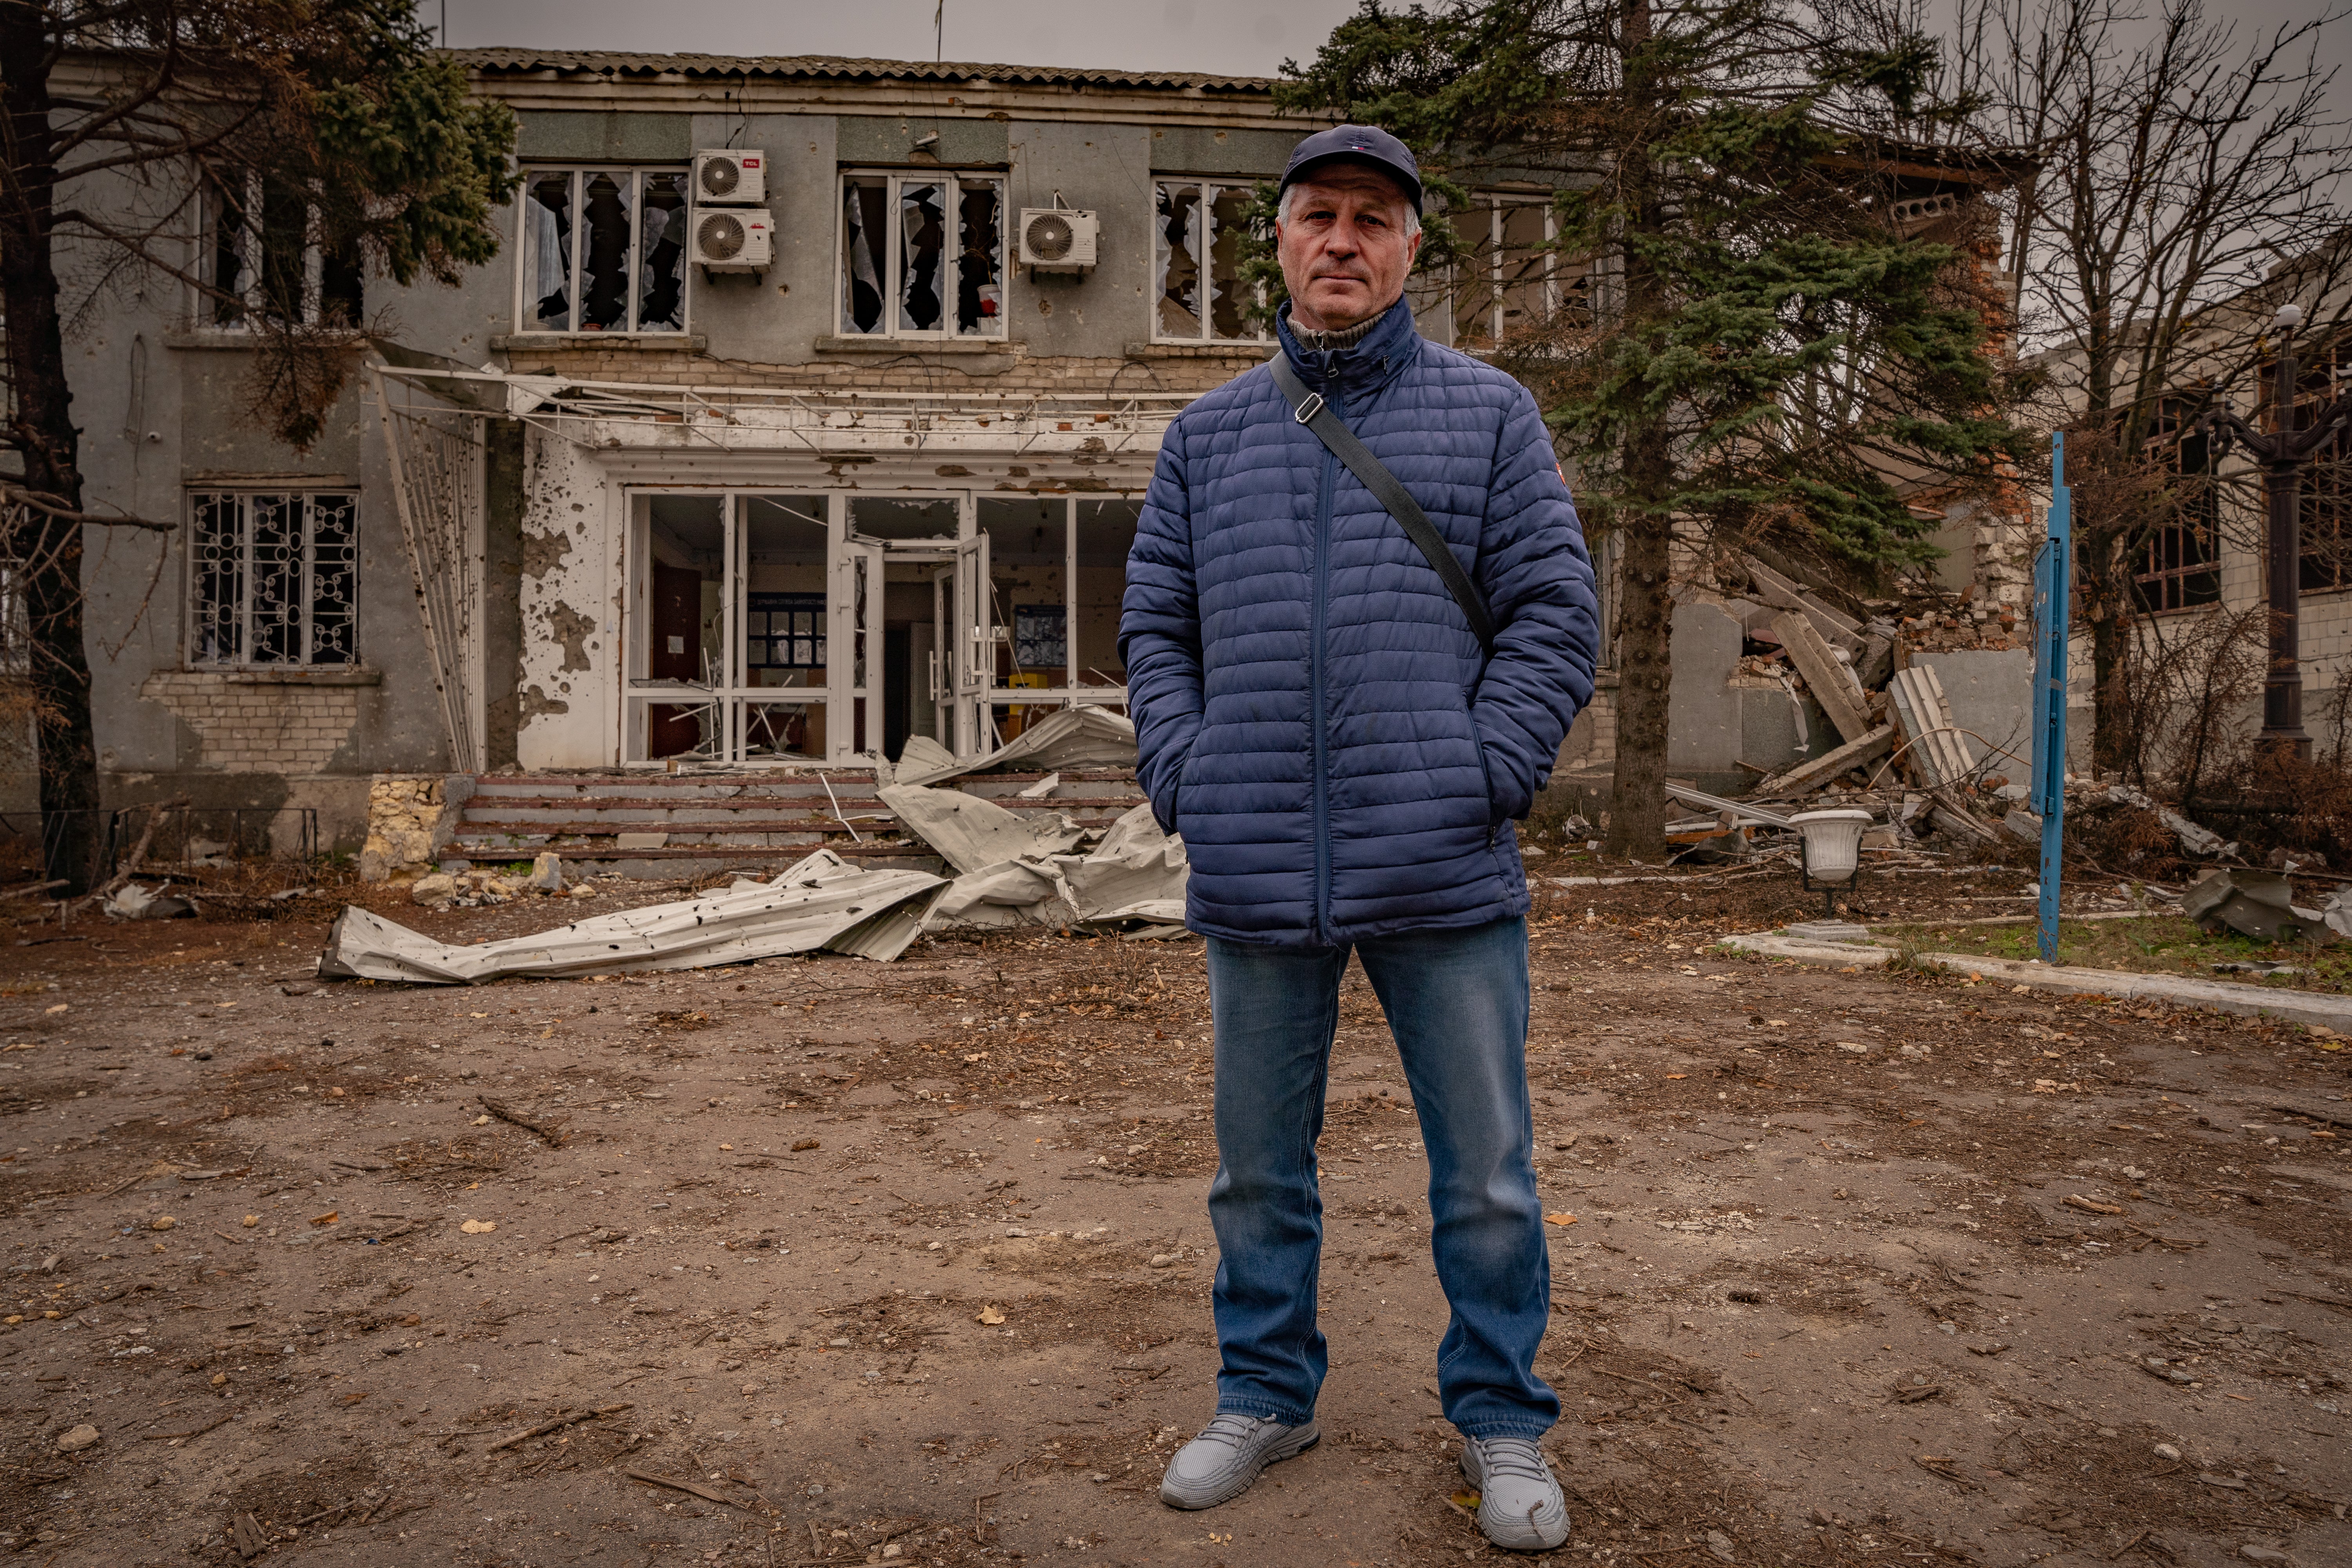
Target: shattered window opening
{"points": [[265, 256], [1514, 281], [274, 578], [940, 241], [1196, 219], [604, 250]]}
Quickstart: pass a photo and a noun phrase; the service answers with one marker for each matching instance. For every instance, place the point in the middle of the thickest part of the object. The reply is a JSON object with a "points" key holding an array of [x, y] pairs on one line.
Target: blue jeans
{"points": [[1458, 1004]]}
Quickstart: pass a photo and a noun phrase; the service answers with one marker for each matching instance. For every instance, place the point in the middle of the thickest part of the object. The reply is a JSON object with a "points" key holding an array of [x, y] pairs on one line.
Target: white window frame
{"points": [[253, 301], [244, 496], [1210, 188], [885, 266], [527, 324], [1496, 204]]}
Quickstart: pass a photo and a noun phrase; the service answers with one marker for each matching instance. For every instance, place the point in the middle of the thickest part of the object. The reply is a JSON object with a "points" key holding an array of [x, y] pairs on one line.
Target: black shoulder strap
{"points": [[1309, 409]]}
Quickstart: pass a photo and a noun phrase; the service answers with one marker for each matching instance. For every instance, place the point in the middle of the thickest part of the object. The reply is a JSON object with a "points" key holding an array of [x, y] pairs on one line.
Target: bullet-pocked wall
{"points": [[205, 683], [188, 703]]}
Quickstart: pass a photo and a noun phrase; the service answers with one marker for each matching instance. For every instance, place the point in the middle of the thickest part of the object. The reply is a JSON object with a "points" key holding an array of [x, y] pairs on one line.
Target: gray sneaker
{"points": [[1219, 1465], [1519, 1505]]}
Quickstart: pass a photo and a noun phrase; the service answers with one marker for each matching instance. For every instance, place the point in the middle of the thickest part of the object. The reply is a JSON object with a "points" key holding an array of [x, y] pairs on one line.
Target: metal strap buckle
{"points": [[1305, 412]]}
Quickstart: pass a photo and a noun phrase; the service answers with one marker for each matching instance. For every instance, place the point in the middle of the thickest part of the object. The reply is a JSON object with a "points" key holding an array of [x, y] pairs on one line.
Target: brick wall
{"points": [[252, 725]]}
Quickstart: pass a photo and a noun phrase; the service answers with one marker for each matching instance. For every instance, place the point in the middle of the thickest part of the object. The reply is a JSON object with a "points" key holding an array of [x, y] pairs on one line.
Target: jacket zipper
{"points": [[1326, 496]]}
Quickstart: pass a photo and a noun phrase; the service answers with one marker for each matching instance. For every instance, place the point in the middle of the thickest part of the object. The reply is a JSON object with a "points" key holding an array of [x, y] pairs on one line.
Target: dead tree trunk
{"points": [[45, 550]]}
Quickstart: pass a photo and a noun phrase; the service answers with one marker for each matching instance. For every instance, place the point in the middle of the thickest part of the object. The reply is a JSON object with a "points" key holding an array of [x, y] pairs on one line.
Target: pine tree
{"points": [[1768, 354]]}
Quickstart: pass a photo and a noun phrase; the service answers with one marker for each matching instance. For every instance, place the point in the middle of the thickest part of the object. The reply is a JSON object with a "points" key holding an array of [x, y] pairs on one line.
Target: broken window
{"points": [[2179, 563], [922, 254], [1196, 237], [266, 257], [274, 578], [604, 250], [1512, 280], [781, 631]]}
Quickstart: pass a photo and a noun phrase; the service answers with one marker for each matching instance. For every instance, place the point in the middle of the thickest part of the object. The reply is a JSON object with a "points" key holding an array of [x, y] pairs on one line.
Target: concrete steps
{"points": [[685, 825]]}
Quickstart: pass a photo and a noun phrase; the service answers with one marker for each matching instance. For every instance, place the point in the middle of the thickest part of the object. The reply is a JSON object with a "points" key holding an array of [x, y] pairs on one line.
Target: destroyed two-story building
{"points": [[807, 411]]}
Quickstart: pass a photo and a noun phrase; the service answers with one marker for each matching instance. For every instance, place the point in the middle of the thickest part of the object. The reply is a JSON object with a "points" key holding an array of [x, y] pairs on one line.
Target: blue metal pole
{"points": [[2053, 580]]}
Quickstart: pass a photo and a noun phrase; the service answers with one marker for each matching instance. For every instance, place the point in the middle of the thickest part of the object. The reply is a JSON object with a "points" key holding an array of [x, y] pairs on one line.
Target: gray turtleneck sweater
{"points": [[1347, 338]]}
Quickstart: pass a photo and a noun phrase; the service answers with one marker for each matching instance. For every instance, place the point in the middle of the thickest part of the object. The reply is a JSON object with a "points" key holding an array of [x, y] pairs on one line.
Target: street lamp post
{"points": [[2283, 453]]}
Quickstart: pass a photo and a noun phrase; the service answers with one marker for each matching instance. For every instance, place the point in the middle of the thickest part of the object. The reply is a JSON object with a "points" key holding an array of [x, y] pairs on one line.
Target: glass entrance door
{"points": [[776, 629]]}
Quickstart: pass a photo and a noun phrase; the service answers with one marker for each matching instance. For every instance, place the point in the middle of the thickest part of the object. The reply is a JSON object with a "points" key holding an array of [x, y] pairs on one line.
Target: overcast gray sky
{"points": [[1236, 37]]}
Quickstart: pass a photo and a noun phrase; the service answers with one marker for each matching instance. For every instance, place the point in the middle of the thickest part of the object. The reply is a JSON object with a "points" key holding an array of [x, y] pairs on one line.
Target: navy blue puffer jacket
{"points": [[1308, 699]]}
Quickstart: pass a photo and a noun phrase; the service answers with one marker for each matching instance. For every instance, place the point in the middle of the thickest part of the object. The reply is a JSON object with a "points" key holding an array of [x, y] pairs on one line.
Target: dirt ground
{"points": [[821, 1260]]}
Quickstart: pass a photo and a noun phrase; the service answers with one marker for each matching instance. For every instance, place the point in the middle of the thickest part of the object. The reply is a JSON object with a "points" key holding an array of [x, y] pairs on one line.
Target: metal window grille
{"points": [[274, 577]]}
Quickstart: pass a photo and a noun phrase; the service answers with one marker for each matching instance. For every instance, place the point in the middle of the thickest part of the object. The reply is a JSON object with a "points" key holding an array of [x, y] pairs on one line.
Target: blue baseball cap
{"points": [[1356, 145]]}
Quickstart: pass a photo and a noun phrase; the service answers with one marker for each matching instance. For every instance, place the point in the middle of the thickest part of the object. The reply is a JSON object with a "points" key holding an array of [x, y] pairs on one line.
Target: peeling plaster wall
{"points": [[569, 692]]}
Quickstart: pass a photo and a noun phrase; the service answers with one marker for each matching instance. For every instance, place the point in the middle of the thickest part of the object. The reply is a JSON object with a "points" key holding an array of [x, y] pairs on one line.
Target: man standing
{"points": [[1342, 725]]}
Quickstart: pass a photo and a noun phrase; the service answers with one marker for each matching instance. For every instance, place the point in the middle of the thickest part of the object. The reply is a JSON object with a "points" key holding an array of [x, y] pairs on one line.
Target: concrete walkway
{"points": [[2312, 1007]]}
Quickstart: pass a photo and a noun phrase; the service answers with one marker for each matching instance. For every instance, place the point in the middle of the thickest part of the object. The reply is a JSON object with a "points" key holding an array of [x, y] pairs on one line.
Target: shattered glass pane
{"points": [[285, 250], [922, 254], [219, 576], [1524, 270], [1473, 318], [979, 268], [334, 579], [1175, 237], [661, 250], [226, 220], [274, 622], [343, 278], [604, 255], [548, 215], [862, 247], [1228, 221]]}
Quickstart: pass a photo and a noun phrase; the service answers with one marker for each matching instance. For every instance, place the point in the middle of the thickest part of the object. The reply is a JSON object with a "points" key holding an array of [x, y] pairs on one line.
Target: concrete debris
{"points": [[1807, 776], [1739, 809], [2202, 843], [1939, 752], [821, 902], [1071, 738], [1924, 766], [471, 889]]}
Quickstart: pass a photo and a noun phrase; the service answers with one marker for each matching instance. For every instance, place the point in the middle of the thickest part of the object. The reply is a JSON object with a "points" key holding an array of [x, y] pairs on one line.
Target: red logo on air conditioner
{"points": [[750, 163]]}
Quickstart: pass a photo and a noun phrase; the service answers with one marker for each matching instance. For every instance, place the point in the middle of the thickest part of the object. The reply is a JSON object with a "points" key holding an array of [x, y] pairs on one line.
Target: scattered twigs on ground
{"points": [[554, 1136], [708, 1494], [561, 1422]]}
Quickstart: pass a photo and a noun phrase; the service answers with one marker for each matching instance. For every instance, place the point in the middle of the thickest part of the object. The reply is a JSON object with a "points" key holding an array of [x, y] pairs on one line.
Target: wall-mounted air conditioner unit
{"points": [[731, 176], [726, 240], [1056, 239]]}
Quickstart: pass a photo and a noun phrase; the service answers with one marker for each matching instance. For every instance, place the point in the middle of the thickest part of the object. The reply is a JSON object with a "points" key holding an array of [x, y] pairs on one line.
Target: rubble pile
{"points": [[470, 889], [1932, 787]]}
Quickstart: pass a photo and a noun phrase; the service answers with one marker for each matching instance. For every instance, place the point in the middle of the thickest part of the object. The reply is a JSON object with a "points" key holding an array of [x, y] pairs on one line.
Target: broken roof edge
{"points": [[845, 67]]}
